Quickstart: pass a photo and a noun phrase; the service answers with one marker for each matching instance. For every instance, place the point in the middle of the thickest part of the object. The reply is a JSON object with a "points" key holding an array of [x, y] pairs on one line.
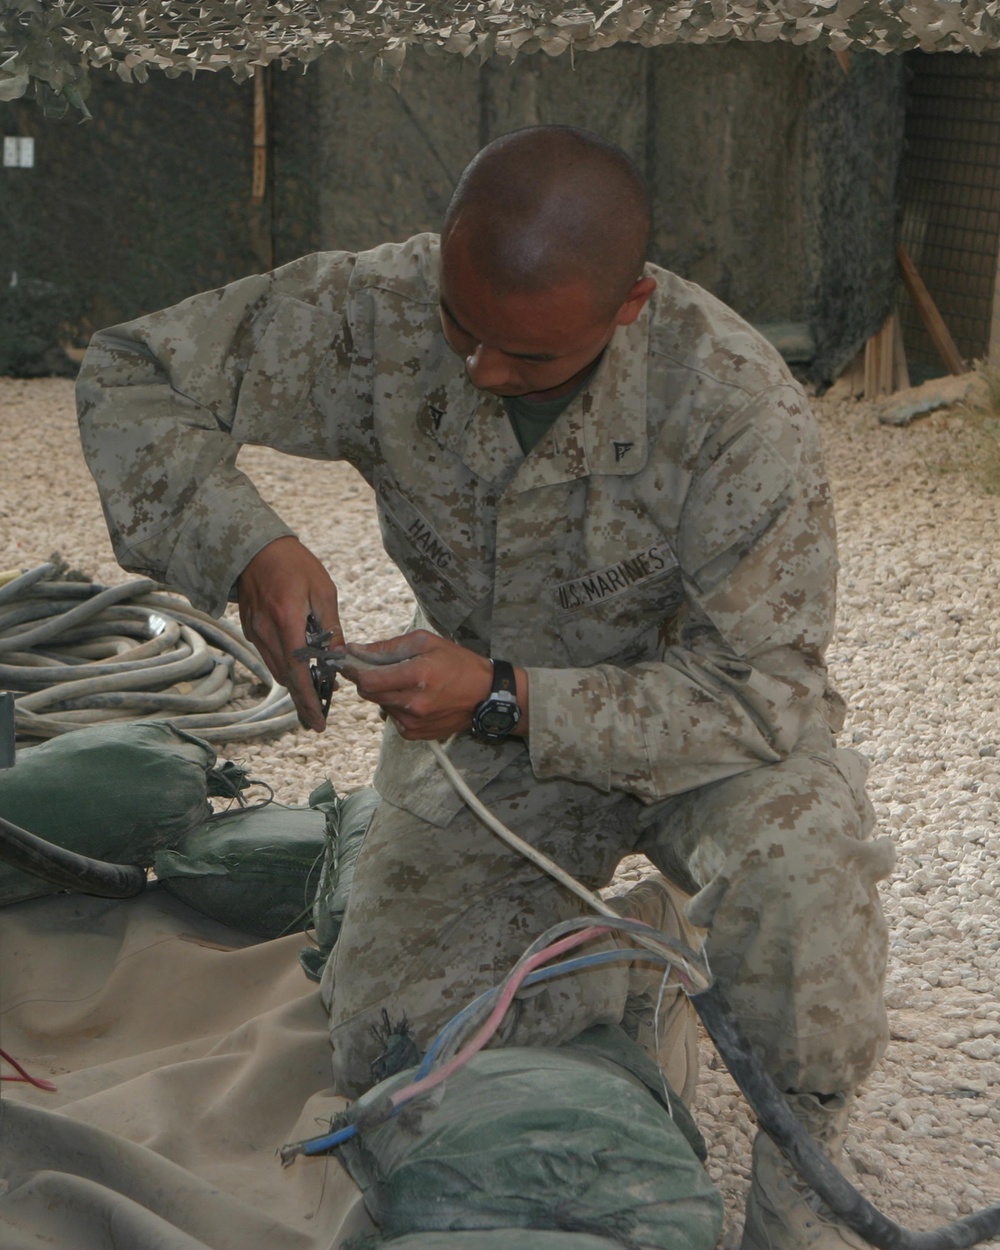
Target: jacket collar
{"points": [[471, 424], [603, 431]]}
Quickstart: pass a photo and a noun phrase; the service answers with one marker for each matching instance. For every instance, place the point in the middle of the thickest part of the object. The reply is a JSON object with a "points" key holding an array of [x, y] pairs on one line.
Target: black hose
{"points": [[776, 1119], [66, 869]]}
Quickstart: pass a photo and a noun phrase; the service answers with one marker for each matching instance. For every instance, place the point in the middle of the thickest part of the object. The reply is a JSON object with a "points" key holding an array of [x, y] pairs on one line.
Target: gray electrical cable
{"points": [[776, 1119], [77, 653]]}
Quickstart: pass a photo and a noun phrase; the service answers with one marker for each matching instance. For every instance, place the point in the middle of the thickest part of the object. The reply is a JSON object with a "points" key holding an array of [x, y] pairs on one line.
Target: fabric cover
{"points": [[347, 823], [184, 1057], [537, 1139]]}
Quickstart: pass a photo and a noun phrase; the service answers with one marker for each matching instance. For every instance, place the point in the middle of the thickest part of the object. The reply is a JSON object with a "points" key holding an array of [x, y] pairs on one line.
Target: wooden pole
{"points": [[932, 319], [870, 389], [259, 188], [887, 345]]}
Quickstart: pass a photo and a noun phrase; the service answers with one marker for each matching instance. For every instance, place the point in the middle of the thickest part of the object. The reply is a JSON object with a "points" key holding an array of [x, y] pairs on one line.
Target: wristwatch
{"points": [[498, 713]]}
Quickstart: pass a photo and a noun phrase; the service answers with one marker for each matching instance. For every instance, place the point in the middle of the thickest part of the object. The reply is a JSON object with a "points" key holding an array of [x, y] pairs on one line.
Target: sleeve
{"points": [[742, 672], [165, 402]]}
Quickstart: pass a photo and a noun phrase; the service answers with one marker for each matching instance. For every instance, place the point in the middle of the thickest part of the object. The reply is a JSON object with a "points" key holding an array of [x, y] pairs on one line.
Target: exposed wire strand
{"points": [[24, 1075]]}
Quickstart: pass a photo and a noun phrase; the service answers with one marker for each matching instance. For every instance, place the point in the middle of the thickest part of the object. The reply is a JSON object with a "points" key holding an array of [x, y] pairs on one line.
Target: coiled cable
{"points": [[76, 653]]}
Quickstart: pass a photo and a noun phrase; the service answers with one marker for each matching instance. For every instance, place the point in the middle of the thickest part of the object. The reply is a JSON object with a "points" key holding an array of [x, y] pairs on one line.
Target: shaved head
{"points": [[552, 206]]}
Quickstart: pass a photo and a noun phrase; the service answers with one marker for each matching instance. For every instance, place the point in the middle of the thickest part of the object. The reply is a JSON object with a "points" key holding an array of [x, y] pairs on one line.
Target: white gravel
{"points": [[917, 656]]}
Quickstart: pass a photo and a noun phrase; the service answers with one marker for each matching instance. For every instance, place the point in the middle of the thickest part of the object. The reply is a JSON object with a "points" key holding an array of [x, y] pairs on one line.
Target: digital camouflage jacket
{"points": [[662, 563]]}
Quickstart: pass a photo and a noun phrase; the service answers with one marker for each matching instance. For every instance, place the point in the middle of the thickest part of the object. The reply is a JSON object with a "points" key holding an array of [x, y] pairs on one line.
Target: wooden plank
{"points": [[869, 391], [928, 310], [901, 371], [886, 347], [879, 359]]}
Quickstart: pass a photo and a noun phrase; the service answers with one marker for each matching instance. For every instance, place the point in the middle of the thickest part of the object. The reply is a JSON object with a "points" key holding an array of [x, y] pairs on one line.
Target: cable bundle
{"points": [[76, 653], [447, 1054]]}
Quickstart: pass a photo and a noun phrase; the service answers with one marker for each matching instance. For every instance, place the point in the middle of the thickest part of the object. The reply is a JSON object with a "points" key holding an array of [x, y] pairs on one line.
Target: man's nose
{"points": [[487, 368]]}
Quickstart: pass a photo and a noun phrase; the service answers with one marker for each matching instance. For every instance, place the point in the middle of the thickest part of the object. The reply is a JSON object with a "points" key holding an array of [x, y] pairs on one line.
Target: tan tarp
{"points": [[52, 46], [183, 1058]]}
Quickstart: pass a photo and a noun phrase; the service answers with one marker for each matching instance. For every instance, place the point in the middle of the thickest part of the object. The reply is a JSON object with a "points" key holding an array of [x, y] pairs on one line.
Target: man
{"points": [[606, 493]]}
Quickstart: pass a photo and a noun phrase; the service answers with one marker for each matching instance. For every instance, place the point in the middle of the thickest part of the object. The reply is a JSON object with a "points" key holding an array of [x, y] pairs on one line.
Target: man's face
{"points": [[538, 345]]}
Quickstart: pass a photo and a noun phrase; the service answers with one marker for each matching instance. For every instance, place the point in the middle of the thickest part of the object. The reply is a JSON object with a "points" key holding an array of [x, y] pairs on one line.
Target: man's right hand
{"points": [[278, 589]]}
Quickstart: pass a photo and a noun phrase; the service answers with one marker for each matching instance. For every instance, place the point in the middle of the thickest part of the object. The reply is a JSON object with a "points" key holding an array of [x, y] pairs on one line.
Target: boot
{"points": [[782, 1212], [669, 1037]]}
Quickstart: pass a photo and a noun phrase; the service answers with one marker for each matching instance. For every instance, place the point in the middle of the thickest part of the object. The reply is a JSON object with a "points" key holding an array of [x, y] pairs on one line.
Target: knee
{"points": [[800, 829], [804, 875]]}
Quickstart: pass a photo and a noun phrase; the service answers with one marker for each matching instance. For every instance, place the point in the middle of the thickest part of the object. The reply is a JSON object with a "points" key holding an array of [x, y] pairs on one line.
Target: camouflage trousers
{"points": [[783, 870]]}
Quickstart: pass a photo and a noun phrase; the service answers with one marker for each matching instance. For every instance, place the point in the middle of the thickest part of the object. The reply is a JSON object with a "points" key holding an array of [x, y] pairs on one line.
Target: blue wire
{"points": [[449, 1030], [319, 1145], [539, 974]]}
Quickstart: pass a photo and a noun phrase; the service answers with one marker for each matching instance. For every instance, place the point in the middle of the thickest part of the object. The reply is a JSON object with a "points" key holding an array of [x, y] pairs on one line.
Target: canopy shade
{"points": [[51, 47]]}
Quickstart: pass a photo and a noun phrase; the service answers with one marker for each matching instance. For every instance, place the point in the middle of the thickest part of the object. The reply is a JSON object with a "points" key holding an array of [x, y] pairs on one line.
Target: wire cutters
{"points": [[323, 669]]}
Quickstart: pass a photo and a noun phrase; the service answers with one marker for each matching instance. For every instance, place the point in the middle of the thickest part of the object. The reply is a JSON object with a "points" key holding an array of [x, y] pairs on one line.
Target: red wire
{"points": [[434, 1078], [37, 1081]]}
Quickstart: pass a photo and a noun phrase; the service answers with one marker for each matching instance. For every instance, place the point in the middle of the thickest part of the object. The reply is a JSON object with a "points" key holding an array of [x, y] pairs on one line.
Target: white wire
{"points": [[664, 980], [547, 865], [518, 844]]}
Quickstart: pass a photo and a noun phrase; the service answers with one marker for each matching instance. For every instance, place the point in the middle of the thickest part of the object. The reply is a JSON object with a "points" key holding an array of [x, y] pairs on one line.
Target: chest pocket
{"points": [[447, 587], [621, 614]]}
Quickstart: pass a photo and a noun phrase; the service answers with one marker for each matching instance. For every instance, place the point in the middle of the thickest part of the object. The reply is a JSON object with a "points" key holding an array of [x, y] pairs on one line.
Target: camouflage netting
{"points": [[48, 48]]}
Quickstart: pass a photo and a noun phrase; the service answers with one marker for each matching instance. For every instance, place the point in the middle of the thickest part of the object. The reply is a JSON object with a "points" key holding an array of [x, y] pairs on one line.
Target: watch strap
{"points": [[498, 714], [504, 678]]}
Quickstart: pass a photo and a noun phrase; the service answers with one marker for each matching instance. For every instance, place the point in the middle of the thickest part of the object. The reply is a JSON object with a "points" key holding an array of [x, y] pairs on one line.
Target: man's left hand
{"points": [[428, 686]]}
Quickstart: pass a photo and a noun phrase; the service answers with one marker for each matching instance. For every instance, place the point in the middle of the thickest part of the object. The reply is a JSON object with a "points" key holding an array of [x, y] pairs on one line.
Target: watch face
{"points": [[497, 718]]}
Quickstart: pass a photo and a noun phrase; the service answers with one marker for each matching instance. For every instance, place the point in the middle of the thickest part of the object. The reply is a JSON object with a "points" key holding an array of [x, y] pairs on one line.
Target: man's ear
{"points": [[635, 301]]}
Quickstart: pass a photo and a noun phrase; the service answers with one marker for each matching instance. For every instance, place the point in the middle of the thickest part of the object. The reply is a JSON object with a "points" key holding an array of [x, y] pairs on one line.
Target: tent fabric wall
{"points": [[772, 171], [145, 204]]}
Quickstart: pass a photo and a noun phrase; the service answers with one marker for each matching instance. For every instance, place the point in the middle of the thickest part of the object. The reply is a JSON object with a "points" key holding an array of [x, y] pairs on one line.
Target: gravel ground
{"points": [[917, 655]]}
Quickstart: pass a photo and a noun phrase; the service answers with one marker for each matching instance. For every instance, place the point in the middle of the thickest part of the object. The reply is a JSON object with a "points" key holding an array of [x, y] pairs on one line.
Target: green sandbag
{"points": [[254, 870], [271, 870], [348, 819], [543, 1139], [114, 792], [611, 1042]]}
